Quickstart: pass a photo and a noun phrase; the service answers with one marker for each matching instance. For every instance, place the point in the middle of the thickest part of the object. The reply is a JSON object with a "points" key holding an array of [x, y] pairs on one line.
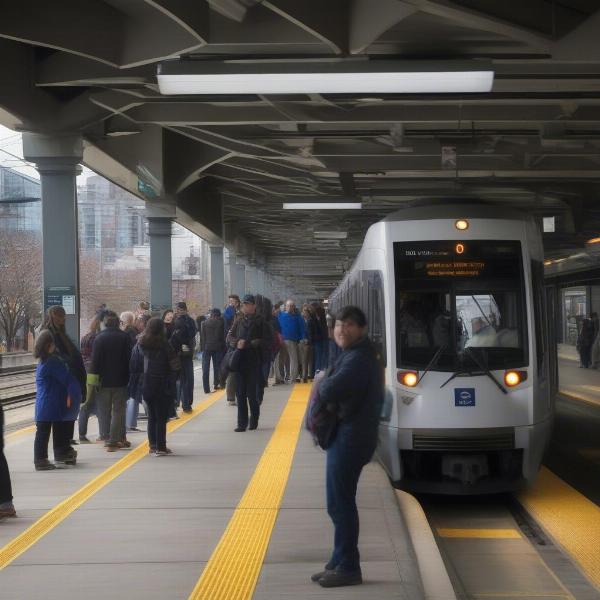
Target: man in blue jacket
{"points": [[293, 331]]}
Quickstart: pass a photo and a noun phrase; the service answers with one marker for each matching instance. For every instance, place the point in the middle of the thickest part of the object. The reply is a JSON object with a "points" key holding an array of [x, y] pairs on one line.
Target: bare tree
{"points": [[20, 283]]}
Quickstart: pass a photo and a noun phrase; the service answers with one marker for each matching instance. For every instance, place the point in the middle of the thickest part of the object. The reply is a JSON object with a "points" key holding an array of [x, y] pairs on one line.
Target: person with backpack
{"points": [[183, 342], [352, 393], [152, 365]]}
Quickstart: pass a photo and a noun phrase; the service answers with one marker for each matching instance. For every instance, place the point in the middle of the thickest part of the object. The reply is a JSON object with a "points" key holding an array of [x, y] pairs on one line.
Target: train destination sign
{"points": [[455, 268]]}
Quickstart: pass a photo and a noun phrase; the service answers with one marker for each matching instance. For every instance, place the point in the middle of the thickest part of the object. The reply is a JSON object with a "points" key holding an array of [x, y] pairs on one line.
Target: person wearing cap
{"points": [[212, 346], [251, 335], [293, 331], [183, 341]]}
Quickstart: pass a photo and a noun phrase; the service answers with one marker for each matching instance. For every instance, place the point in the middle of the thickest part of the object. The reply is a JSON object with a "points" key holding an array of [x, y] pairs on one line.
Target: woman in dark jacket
{"points": [[89, 407], [58, 395], [7, 508], [353, 388], [150, 368]]}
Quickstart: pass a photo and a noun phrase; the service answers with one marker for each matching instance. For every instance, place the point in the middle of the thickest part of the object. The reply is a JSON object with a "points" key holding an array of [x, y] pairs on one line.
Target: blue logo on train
{"points": [[464, 396]]}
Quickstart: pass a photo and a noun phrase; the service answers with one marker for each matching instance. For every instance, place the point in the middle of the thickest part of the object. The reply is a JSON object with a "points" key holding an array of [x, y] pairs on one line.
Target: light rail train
{"points": [[455, 299]]}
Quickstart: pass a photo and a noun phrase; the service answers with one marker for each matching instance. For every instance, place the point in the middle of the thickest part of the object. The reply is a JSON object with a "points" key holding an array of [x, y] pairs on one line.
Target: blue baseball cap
{"points": [[249, 299]]}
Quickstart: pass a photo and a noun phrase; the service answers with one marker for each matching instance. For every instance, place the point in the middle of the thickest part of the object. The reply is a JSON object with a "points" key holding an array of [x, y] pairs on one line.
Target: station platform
{"points": [[228, 516]]}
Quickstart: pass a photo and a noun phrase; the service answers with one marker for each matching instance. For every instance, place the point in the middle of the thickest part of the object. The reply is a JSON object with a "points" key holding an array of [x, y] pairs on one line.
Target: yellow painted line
{"points": [[61, 511], [505, 534], [570, 519], [575, 396], [233, 568], [19, 432]]}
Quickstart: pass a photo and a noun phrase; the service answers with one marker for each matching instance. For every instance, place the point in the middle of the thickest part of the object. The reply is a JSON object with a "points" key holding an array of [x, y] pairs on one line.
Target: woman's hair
{"points": [[154, 334], [94, 325], [307, 308], [49, 318], [352, 313], [42, 345], [166, 312]]}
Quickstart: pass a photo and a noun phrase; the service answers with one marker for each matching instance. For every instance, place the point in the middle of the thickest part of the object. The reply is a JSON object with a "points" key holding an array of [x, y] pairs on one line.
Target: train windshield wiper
{"points": [[483, 371], [433, 362], [468, 350]]}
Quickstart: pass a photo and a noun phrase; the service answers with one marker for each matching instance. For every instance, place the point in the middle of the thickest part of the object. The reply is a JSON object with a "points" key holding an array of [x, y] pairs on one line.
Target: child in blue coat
{"points": [[58, 395]]}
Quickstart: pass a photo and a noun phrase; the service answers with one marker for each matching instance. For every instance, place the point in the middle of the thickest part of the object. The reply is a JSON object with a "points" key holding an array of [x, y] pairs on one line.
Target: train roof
{"points": [[455, 208]]}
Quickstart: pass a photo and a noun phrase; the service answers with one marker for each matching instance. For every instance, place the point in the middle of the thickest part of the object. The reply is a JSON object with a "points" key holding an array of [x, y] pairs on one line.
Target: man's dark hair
{"points": [[352, 313], [234, 296], [182, 305], [111, 319]]}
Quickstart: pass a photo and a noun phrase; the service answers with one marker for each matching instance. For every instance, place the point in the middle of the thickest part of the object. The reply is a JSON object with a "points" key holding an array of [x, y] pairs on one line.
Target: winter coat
{"points": [[157, 375], [354, 386], [66, 349], [258, 334], [292, 326], [212, 335], [86, 345], [58, 393], [186, 329], [110, 357]]}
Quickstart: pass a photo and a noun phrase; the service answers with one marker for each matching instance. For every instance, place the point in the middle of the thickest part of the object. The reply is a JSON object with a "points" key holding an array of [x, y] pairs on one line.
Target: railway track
{"points": [[17, 390]]}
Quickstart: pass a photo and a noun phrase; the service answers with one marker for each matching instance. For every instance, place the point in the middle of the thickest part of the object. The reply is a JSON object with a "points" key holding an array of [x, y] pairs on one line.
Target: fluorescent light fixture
{"points": [[330, 235], [322, 205], [324, 76], [549, 224]]}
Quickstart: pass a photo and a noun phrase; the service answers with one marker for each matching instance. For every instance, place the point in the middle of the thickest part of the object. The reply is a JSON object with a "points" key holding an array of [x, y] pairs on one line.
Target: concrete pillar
{"points": [[161, 277], [240, 280], [217, 277], [251, 280], [57, 159]]}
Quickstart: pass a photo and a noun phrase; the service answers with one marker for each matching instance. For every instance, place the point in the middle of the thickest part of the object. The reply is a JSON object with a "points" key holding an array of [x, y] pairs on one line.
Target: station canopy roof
{"points": [[168, 97]]}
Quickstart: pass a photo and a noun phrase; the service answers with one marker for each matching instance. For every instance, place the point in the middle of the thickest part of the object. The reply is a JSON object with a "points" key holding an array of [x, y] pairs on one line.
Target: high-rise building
{"points": [[20, 206]]}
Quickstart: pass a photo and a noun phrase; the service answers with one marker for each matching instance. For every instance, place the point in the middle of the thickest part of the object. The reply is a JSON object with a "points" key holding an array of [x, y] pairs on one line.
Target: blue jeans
{"points": [[216, 357], [345, 460], [133, 410], [247, 384], [320, 356], [185, 385]]}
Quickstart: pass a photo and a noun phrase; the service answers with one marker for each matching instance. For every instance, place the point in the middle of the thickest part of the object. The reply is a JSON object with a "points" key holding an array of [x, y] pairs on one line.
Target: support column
{"points": [[251, 280], [161, 276], [217, 277], [57, 160], [240, 280]]}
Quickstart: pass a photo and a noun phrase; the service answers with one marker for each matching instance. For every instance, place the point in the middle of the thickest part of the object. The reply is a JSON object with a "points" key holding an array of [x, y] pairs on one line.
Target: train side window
{"points": [[539, 309], [374, 307]]}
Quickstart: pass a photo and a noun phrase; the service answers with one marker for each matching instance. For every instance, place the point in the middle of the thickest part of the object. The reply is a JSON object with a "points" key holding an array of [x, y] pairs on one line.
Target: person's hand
{"points": [[241, 344]]}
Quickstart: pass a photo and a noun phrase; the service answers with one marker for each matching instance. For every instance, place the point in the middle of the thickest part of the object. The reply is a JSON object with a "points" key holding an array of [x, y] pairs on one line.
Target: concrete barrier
{"points": [[16, 361]]}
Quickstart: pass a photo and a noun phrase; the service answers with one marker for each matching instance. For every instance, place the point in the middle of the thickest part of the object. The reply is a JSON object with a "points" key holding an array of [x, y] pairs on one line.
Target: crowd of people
{"points": [[136, 358]]}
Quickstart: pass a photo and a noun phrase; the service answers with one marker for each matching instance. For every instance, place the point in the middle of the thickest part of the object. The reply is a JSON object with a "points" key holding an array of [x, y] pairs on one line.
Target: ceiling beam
{"points": [[479, 20]]}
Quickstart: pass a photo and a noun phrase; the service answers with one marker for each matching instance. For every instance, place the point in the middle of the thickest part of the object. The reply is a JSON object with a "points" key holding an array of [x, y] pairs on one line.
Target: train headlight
{"points": [[461, 224], [514, 378], [408, 378]]}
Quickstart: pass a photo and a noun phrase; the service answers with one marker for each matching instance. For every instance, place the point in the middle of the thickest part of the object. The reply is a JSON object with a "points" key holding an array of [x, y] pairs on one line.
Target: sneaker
{"points": [[232, 402], [124, 444], [133, 429], [44, 465], [7, 510], [151, 451], [188, 411], [112, 447], [164, 452], [84, 440], [340, 578], [70, 458]]}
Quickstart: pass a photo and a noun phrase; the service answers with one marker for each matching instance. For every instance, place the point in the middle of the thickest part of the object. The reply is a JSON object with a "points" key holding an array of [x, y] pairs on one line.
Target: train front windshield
{"points": [[460, 305]]}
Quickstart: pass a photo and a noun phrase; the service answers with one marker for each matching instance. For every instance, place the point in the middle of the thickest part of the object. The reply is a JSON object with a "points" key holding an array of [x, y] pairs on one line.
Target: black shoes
{"points": [[239, 429], [320, 574], [44, 465], [340, 578]]}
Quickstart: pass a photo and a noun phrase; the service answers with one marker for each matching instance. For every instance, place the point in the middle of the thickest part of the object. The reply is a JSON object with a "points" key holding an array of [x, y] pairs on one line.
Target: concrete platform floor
{"points": [[149, 532]]}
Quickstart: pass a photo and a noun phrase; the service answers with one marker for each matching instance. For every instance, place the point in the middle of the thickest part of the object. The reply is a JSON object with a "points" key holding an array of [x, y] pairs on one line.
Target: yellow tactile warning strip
{"points": [[19, 432], [505, 534], [569, 517], [61, 511], [233, 568]]}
